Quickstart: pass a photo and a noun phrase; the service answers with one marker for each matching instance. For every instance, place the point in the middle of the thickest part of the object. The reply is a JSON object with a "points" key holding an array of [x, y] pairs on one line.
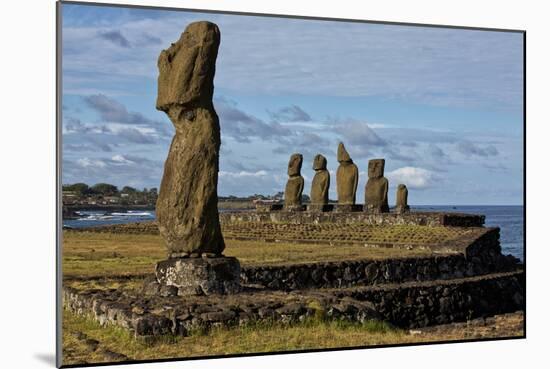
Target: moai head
{"points": [[320, 162], [401, 187], [376, 168], [186, 69], [295, 165], [343, 156]]}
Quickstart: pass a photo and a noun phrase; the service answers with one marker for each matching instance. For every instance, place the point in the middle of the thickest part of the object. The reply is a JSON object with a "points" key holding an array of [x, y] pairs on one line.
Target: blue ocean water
{"points": [[508, 218], [95, 218]]}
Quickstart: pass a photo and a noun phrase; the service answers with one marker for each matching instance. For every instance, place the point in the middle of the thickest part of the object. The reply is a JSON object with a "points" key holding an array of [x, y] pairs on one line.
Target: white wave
{"points": [[132, 214], [90, 217]]}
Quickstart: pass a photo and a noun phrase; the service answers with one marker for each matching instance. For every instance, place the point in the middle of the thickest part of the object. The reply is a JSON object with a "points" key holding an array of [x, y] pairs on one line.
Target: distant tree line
{"points": [[131, 195], [127, 195], [105, 189]]}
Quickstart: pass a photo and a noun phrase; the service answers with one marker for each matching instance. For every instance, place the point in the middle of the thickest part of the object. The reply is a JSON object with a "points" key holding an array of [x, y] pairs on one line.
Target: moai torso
{"points": [[187, 210], [401, 199], [376, 190], [347, 177], [295, 184], [321, 181]]}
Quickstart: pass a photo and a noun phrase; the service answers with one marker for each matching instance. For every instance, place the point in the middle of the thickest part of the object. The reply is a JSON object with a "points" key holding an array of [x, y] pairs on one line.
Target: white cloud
{"points": [[306, 125], [91, 163], [242, 174], [245, 183], [468, 149], [118, 127], [120, 159], [413, 177]]}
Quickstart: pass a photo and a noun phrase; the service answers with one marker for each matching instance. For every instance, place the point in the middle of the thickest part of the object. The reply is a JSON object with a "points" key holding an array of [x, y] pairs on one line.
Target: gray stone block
{"points": [[200, 276]]}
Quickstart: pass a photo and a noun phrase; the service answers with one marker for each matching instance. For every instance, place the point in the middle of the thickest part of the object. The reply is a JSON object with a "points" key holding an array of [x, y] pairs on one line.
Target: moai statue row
{"points": [[347, 178]]}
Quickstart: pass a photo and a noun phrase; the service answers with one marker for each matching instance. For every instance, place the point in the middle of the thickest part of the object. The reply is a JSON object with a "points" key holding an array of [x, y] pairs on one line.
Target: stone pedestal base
{"points": [[200, 276], [377, 209], [402, 209], [320, 207], [347, 208]]}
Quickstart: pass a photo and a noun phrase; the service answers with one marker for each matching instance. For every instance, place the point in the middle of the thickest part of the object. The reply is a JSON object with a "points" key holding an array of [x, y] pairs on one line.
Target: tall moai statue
{"points": [[401, 198], [295, 184], [321, 181], [187, 206], [347, 177], [376, 190], [319, 185]]}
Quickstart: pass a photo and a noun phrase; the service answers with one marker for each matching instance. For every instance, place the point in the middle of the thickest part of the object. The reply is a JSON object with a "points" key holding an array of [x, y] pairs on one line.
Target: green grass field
{"points": [[107, 254]]}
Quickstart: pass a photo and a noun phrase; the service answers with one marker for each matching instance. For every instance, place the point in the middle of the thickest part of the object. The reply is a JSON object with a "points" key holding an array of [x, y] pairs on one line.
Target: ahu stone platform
{"points": [[475, 280], [436, 239], [265, 213], [463, 275], [406, 305]]}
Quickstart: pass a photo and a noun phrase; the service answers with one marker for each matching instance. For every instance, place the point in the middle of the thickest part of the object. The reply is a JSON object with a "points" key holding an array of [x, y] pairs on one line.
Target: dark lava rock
{"points": [[218, 316]]}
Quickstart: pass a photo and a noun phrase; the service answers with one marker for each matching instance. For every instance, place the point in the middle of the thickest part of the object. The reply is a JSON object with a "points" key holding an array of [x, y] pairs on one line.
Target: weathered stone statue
{"points": [[376, 190], [347, 177], [187, 209], [321, 181], [295, 184], [401, 205]]}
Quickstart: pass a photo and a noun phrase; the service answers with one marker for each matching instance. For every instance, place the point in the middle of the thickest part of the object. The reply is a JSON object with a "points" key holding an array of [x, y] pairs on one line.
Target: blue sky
{"points": [[444, 107]]}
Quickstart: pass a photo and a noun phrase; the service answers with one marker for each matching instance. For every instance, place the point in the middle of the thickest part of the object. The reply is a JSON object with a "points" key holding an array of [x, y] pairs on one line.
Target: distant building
{"points": [[69, 197], [111, 199], [264, 201]]}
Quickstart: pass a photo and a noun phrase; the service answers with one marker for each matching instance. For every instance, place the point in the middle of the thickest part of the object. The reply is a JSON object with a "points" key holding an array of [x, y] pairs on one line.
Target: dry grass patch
{"points": [[107, 254], [261, 253], [222, 341], [314, 334]]}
